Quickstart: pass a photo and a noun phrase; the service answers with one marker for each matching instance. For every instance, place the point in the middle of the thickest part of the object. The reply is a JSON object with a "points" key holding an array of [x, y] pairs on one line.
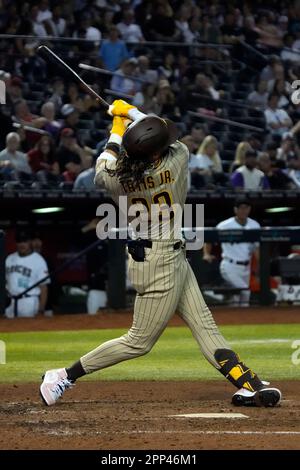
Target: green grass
{"points": [[175, 357]]}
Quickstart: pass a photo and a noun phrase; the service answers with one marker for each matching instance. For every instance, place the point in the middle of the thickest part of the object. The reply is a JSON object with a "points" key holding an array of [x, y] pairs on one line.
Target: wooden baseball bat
{"points": [[50, 56]]}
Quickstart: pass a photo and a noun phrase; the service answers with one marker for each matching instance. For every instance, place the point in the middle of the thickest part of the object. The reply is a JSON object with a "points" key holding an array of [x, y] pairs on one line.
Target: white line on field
{"points": [[67, 432], [209, 415]]}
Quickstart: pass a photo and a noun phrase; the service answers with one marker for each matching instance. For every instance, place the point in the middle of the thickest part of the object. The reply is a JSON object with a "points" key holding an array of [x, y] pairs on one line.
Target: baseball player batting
{"points": [[146, 163]]}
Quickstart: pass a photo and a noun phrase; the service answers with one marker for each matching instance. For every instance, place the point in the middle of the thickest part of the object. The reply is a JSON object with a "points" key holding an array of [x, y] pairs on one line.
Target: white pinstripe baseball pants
{"points": [[165, 283]]}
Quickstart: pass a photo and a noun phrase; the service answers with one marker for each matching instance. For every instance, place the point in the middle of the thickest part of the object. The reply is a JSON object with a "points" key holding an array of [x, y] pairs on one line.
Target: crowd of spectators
{"points": [[230, 60]]}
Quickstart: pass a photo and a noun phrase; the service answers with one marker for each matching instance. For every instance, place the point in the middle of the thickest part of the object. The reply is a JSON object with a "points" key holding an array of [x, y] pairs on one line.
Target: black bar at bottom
{"points": [[146, 458]]}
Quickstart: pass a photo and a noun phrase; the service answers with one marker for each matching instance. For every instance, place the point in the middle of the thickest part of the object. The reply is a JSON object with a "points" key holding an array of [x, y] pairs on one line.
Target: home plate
{"points": [[210, 415]]}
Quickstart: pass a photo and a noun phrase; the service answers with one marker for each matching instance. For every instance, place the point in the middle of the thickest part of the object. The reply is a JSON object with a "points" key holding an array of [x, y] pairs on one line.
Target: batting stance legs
{"points": [[164, 283], [158, 296]]}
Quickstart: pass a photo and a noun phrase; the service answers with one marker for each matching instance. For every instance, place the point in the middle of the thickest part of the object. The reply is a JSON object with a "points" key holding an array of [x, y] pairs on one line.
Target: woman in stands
{"points": [[240, 153], [42, 162]]}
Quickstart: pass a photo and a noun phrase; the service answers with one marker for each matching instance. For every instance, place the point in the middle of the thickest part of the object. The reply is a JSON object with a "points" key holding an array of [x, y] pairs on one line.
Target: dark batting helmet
{"points": [[149, 136]]}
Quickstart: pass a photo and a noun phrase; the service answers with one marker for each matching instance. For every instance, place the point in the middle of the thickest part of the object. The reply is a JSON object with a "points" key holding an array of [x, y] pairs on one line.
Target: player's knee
{"points": [[138, 350], [142, 349], [138, 346], [146, 348]]}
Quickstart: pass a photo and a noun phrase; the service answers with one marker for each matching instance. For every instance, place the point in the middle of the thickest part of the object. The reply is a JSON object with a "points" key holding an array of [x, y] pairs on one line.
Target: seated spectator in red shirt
{"points": [[42, 161]]}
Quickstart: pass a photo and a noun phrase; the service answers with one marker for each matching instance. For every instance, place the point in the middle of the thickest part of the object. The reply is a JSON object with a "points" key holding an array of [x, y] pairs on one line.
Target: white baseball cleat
{"points": [[55, 383], [267, 397]]}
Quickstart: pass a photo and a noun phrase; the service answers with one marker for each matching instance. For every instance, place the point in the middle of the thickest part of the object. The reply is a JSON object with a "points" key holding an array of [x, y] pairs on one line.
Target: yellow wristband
{"points": [[118, 126]]}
